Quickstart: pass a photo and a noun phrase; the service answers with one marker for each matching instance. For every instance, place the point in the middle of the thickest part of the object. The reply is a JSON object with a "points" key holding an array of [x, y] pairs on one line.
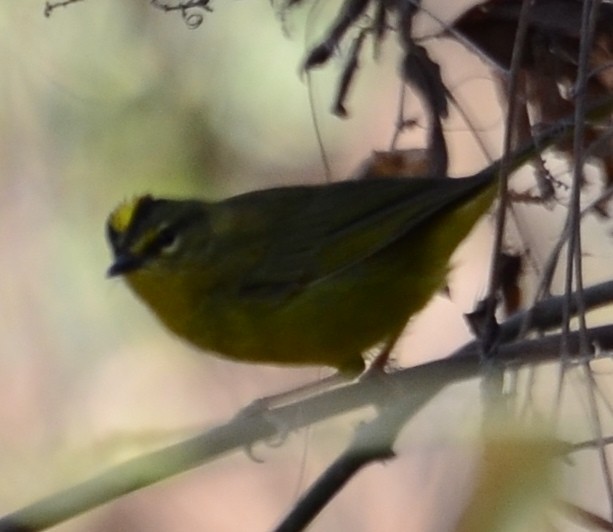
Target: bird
{"points": [[297, 275]]}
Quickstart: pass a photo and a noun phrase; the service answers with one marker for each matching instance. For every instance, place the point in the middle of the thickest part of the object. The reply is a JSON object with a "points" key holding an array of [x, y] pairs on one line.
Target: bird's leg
{"points": [[380, 362]]}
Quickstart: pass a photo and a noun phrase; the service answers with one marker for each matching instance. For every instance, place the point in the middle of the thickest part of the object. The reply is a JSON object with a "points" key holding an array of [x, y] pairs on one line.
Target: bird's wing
{"points": [[320, 231]]}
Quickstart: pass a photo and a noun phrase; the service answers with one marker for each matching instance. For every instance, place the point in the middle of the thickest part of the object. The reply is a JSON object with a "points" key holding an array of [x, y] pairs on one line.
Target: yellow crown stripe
{"points": [[121, 218]]}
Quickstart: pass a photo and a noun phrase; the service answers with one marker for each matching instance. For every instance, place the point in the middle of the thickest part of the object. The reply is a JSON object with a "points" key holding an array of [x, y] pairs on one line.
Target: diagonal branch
{"points": [[420, 382]]}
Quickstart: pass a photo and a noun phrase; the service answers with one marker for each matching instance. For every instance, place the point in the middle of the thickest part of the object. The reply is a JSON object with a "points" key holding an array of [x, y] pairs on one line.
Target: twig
{"points": [[373, 442]]}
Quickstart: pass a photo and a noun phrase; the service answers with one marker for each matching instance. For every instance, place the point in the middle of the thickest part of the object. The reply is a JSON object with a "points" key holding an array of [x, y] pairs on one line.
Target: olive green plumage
{"points": [[296, 275]]}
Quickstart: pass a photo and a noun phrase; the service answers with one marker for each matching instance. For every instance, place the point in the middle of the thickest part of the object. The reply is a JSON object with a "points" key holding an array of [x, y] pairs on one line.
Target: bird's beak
{"points": [[123, 264]]}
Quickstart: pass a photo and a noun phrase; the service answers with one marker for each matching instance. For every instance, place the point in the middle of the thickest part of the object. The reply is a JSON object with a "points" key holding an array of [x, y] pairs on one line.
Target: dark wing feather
{"points": [[322, 230]]}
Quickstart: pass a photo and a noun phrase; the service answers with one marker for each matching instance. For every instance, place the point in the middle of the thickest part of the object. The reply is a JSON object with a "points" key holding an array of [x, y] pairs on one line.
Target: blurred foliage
{"points": [[107, 99]]}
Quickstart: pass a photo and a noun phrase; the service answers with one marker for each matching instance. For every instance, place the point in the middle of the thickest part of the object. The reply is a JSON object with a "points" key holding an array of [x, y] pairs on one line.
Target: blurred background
{"points": [[107, 99]]}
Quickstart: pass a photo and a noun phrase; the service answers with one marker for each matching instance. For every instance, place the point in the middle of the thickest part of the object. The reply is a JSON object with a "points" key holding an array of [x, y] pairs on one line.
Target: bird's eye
{"points": [[168, 241]]}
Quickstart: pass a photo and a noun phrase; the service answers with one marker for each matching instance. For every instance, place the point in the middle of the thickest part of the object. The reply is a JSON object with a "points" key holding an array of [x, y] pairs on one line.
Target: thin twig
{"points": [[373, 442], [511, 120], [588, 27]]}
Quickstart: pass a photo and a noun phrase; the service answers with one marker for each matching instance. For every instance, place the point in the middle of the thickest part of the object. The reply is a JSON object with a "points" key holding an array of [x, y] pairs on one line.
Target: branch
{"points": [[416, 386], [374, 441]]}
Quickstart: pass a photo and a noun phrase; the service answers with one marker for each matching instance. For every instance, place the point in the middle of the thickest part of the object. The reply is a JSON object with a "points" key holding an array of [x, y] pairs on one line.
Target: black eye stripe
{"points": [[144, 207], [140, 220], [166, 236]]}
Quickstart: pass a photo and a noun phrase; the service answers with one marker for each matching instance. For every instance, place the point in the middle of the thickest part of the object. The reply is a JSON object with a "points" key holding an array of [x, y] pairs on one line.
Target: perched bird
{"points": [[298, 275]]}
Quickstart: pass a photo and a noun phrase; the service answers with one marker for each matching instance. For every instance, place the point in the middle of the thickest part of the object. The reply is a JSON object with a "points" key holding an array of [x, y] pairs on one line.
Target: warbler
{"points": [[297, 275]]}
